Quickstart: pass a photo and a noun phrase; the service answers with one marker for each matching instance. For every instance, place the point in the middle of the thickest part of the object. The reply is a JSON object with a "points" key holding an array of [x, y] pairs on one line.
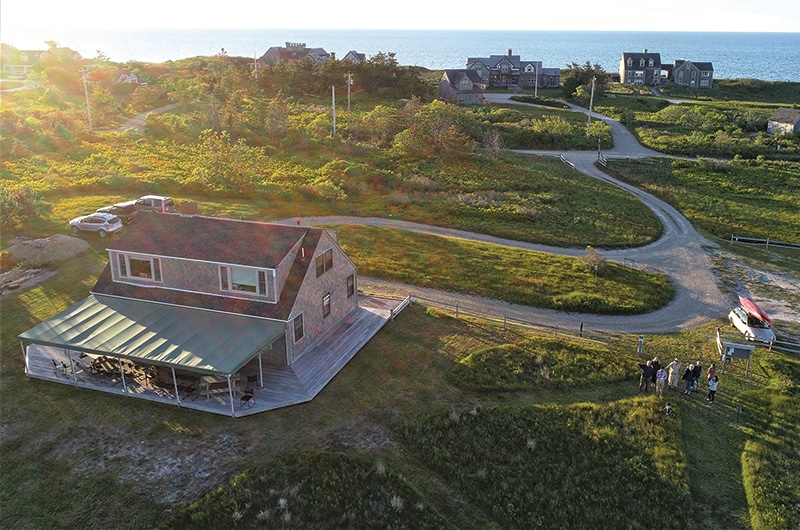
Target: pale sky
{"points": [[613, 15]]}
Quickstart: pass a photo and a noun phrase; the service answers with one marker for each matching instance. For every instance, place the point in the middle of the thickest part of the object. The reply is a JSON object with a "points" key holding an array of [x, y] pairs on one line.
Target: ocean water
{"points": [[766, 56]]}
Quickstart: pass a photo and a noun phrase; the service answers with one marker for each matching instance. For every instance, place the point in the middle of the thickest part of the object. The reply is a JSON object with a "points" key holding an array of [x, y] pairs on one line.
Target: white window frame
{"points": [[226, 280], [302, 328], [326, 259], [124, 267], [326, 305]]}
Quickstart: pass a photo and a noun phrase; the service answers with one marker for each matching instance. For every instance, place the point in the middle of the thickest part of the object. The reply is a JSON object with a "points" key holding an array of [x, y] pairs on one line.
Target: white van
{"points": [[155, 203]]}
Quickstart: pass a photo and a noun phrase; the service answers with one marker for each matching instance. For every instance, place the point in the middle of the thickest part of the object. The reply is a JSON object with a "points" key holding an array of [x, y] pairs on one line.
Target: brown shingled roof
{"points": [[219, 240], [210, 239]]}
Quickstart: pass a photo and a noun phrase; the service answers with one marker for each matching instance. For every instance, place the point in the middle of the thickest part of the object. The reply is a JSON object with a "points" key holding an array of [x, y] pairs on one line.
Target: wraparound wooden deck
{"points": [[282, 385]]}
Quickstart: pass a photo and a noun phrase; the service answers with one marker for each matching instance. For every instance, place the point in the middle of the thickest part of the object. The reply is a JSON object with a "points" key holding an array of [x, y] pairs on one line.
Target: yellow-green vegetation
{"points": [[367, 442], [529, 364], [503, 273], [238, 140], [721, 123], [437, 422], [750, 198], [576, 466]]}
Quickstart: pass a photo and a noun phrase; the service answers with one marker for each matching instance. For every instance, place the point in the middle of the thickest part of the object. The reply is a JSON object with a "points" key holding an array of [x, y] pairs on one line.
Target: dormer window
{"points": [[630, 61], [243, 280], [139, 267], [650, 63], [23, 57], [641, 62]]}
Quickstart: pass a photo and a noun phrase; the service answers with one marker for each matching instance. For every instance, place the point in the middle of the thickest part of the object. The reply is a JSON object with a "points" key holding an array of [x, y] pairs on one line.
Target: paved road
{"points": [[681, 253]]}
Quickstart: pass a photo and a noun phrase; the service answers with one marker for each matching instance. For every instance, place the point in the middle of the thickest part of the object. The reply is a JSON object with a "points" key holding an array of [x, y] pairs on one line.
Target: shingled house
{"points": [[640, 68], [293, 52], [197, 311], [784, 121], [463, 87], [510, 71], [691, 74]]}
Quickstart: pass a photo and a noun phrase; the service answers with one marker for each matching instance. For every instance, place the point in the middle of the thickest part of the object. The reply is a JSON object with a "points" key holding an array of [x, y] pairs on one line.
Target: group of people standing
{"points": [[653, 374]]}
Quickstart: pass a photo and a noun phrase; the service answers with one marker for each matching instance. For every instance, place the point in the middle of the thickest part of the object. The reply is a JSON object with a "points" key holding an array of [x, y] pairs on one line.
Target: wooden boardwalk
{"points": [[282, 385]]}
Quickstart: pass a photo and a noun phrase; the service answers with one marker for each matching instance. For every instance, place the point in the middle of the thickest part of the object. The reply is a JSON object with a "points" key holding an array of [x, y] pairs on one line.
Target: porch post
{"points": [[230, 393], [260, 372], [71, 367], [25, 356], [175, 382], [122, 375]]}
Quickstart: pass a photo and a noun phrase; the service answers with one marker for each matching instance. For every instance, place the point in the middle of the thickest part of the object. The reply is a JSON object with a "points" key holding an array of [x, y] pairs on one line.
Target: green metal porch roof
{"points": [[180, 337]]}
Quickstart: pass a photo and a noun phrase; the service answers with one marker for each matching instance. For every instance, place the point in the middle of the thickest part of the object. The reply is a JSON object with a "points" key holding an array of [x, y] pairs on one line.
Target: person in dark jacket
{"points": [[688, 374], [655, 365], [647, 374], [696, 373]]}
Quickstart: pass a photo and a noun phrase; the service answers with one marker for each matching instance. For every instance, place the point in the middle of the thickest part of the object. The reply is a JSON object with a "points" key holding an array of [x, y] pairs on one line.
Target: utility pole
{"points": [[591, 101], [333, 98], [85, 71], [349, 77], [255, 65]]}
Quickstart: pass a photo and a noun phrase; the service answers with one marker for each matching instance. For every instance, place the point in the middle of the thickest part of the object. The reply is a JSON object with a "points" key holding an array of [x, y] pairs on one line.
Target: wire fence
{"points": [[459, 311]]}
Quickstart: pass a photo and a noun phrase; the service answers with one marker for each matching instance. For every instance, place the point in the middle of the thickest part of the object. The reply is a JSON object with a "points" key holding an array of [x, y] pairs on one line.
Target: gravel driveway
{"points": [[681, 253]]}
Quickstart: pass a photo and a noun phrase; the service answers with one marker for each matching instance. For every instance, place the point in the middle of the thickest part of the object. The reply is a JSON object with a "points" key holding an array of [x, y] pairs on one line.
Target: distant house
{"points": [[640, 68], [462, 87], [19, 62], [196, 311], [784, 121], [510, 71], [691, 74], [355, 57], [128, 77], [62, 54], [294, 52]]}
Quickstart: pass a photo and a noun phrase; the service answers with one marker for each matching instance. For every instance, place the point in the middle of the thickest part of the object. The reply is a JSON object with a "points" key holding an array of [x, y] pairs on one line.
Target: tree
{"points": [[593, 260], [576, 76], [437, 130]]}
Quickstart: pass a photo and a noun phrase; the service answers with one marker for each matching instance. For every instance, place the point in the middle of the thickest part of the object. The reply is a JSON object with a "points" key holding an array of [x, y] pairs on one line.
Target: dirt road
{"points": [[681, 253]]}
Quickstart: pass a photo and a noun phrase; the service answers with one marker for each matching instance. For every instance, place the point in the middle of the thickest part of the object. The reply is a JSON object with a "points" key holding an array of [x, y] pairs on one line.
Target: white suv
{"points": [[155, 203], [753, 328], [102, 223]]}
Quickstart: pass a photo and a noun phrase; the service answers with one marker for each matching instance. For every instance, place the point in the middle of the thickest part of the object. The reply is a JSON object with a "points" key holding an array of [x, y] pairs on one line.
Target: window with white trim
{"points": [[326, 305], [297, 326], [243, 280], [324, 262], [351, 285], [139, 267]]}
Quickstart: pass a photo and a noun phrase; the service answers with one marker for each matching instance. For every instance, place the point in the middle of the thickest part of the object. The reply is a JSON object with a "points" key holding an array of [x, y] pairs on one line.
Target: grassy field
{"points": [[404, 437], [503, 273], [437, 422], [749, 198]]}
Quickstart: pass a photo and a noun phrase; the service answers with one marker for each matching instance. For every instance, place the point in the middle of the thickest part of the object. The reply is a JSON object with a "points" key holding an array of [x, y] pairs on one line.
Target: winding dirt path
{"points": [[681, 253]]}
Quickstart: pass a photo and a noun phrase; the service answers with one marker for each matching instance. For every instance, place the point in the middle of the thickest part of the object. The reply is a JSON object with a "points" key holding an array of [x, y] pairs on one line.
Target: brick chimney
{"points": [[509, 52]]}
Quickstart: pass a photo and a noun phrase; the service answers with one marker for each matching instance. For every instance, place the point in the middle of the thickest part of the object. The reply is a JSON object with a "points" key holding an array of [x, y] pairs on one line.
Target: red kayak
{"points": [[752, 309]]}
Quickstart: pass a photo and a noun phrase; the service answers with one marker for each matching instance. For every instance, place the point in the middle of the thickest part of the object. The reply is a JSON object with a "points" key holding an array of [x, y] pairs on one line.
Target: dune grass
{"points": [[513, 275], [138, 463]]}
